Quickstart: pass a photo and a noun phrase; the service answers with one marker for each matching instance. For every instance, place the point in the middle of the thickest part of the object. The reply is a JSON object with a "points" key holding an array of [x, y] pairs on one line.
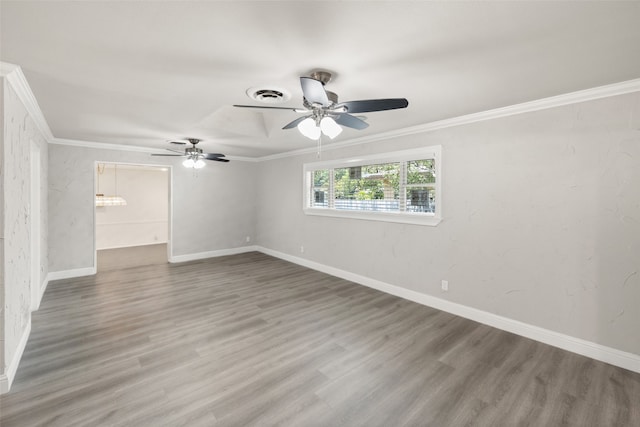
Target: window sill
{"points": [[398, 217]]}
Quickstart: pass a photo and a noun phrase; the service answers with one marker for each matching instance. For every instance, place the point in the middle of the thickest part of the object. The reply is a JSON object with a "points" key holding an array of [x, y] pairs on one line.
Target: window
{"points": [[402, 186]]}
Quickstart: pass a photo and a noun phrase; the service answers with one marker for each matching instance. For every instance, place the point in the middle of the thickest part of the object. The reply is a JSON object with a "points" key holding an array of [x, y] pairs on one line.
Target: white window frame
{"points": [[419, 218]]}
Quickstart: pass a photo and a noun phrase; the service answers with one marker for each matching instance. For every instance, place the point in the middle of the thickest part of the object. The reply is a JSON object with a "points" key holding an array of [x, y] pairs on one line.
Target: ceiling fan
{"points": [[194, 154], [324, 113]]}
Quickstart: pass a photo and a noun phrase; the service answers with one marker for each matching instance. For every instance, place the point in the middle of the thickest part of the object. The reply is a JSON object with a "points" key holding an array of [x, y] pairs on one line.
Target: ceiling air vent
{"points": [[268, 95]]}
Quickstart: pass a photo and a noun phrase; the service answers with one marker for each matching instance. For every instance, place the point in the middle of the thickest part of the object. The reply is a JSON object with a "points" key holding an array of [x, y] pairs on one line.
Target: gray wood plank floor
{"points": [[117, 259], [252, 340]]}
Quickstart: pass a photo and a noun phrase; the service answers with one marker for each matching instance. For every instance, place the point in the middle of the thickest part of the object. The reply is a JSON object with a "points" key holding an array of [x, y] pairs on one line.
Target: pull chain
{"points": [[319, 151]]}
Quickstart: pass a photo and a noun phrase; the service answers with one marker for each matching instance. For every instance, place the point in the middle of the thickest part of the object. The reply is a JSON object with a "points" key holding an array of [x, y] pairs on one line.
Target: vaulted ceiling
{"points": [[142, 73]]}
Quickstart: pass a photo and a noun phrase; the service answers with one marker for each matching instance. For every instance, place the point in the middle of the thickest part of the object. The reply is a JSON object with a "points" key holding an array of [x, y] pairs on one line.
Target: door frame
{"points": [[35, 163]]}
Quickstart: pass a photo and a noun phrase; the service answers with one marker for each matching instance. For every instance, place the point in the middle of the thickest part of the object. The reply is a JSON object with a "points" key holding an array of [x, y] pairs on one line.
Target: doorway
{"points": [[36, 280], [132, 215]]}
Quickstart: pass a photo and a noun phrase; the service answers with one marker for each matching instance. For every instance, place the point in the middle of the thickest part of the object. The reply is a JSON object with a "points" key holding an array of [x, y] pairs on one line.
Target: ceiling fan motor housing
{"points": [[323, 77]]}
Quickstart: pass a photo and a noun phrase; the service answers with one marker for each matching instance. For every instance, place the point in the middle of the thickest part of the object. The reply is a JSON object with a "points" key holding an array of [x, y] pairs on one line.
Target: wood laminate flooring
{"points": [[135, 256], [250, 340]]}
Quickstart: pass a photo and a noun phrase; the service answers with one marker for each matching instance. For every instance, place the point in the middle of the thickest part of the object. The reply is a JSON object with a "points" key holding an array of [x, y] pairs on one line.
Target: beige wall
{"points": [[541, 220]]}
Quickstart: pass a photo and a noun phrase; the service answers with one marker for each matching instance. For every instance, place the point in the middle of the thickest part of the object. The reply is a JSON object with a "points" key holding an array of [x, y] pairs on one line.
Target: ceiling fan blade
{"points": [[271, 108], [370, 105], [295, 122], [314, 92], [176, 151], [177, 142], [212, 156], [169, 155], [218, 159], [351, 121]]}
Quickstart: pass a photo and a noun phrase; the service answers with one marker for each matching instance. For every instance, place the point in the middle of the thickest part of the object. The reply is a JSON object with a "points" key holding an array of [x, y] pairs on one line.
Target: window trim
{"points": [[432, 152]]}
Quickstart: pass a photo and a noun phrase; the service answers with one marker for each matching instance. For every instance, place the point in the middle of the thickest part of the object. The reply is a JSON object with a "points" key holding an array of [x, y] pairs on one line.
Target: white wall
{"points": [[145, 218], [541, 220], [19, 131], [213, 208]]}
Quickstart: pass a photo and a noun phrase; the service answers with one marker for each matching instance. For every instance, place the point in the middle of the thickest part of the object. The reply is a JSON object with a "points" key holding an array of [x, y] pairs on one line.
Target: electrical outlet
{"points": [[248, 239], [445, 285], [301, 249]]}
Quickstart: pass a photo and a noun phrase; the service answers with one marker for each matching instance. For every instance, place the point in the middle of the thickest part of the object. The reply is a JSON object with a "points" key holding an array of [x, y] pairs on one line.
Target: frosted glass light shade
{"points": [[195, 164], [330, 127], [308, 128]]}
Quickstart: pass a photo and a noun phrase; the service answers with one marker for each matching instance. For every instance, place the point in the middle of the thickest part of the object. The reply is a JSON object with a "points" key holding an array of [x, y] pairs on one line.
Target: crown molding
{"points": [[15, 77], [121, 147], [103, 145], [243, 159], [599, 92]]}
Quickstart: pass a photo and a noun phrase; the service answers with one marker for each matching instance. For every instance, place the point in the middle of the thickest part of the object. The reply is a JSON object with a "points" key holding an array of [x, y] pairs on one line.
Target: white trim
{"points": [[397, 217], [6, 379], [134, 148], [212, 254], [243, 159], [590, 349], [599, 92], [104, 146], [70, 274], [15, 77], [34, 223], [134, 245], [43, 288], [170, 217]]}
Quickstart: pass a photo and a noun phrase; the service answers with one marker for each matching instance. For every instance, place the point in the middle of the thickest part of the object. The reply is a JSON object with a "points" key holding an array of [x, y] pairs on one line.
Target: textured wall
{"points": [[145, 218], [2, 208], [19, 132], [541, 220], [214, 207]]}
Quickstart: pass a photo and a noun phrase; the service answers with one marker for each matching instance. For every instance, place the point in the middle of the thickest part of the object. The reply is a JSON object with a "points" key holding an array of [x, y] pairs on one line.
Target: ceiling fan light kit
{"points": [[325, 114], [195, 164], [195, 156], [310, 128]]}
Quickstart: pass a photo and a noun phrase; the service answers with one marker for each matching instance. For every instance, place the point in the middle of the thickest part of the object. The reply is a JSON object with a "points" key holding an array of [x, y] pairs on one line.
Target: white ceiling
{"points": [[141, 73]]}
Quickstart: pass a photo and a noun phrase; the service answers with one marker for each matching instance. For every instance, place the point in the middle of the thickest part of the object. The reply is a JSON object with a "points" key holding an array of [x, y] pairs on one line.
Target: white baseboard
{"points": [[6, 379], [43, 288], [212, 254], [590, 349], [70, 274], [132, 246]]}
